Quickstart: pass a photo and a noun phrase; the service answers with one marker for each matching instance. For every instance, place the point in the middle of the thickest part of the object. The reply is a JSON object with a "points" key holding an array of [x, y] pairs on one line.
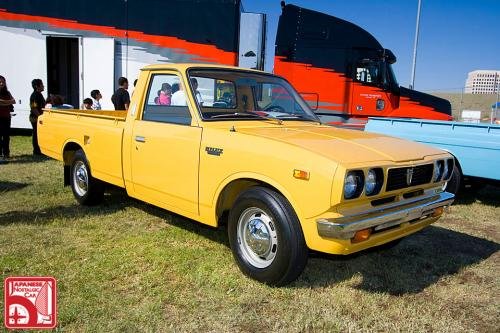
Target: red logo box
{"points": [[30, 302]]}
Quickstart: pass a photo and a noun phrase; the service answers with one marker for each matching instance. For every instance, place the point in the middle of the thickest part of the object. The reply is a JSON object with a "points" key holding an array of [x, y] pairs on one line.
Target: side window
{"points": [[367, 73], [213, 93], [166, 101]]}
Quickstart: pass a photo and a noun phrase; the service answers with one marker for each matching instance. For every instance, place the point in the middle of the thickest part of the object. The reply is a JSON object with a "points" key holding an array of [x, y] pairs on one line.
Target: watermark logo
{"points": [[30, 302]]}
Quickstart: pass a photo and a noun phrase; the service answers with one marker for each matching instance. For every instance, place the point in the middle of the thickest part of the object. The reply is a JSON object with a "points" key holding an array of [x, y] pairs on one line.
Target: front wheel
{"points": [[86, 189], [266, 238]]}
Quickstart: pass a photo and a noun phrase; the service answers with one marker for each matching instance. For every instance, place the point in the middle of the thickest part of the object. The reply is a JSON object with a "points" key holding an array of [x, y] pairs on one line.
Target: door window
{"points": [[166, 101]]}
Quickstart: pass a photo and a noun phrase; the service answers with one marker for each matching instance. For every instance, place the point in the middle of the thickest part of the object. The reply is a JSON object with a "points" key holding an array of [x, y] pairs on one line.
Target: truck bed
{"points": [[62, 127], [475, 146]]}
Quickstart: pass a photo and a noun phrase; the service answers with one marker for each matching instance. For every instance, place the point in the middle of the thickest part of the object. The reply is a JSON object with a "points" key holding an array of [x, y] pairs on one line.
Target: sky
{"points": [[456, 36]]}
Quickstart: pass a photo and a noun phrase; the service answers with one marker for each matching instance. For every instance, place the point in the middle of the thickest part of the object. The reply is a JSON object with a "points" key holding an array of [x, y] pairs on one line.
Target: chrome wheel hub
{"points": [[80, 178], [257, 237]]}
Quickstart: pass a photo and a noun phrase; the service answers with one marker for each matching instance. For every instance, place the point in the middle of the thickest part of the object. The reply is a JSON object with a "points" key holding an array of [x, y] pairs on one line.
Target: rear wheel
{"points": [[266, 238], [86, 189]]}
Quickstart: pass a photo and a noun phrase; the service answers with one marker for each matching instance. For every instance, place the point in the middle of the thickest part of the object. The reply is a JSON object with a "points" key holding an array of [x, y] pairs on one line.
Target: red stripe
{"points": [[199, 52]]}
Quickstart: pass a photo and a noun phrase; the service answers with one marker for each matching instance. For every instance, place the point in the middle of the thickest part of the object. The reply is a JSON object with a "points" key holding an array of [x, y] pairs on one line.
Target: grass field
{"points": [[478, 102], [126, 266]]}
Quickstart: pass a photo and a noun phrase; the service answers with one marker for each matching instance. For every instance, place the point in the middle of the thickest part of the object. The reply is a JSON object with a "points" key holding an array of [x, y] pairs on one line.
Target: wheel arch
{"points": [[234, 186], [69, 150]]}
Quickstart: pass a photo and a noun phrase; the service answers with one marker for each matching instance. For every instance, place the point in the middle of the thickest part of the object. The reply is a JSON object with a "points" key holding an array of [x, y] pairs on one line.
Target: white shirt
{"points": [[199, 98], [179, 98], [95, 104]]}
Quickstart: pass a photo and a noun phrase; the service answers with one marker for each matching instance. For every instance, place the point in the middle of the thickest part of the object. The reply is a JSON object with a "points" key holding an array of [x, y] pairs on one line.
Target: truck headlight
{"points": [[438, 170], [374, 181], [380, 104], [353, 184]]}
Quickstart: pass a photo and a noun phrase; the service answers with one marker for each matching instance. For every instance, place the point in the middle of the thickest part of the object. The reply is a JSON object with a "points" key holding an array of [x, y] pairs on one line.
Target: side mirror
{"points": [[312, 99]]}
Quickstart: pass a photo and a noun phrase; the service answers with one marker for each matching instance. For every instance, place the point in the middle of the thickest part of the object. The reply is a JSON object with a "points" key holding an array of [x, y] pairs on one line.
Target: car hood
{"points": [[346, 146]]}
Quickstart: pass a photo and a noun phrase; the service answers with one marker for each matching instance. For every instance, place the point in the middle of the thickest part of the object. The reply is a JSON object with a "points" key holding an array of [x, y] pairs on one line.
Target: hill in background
{"points": [[477, 102]]}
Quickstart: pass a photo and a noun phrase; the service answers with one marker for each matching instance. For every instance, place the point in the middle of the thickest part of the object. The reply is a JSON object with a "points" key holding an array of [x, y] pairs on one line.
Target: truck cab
{"points": [[348, 69]]}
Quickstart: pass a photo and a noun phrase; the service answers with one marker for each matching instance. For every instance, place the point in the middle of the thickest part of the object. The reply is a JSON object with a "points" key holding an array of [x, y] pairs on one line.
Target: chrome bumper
{"points": [[345, 227]]}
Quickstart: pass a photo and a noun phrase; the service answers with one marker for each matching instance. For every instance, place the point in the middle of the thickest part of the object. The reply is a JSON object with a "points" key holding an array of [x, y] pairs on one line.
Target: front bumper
{"points": [[345, 227]]}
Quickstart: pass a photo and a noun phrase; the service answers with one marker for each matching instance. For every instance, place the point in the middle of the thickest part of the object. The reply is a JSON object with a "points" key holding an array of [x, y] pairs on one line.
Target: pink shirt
{"points": [[164, 99]]}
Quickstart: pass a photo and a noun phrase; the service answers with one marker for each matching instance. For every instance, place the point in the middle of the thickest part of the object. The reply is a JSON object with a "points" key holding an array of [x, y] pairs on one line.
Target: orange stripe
{"points": [[199, 52], [335, 88]]}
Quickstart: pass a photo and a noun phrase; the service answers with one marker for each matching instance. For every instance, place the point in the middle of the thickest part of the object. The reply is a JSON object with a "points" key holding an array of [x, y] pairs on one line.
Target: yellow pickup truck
{"points": [[243, 146]]}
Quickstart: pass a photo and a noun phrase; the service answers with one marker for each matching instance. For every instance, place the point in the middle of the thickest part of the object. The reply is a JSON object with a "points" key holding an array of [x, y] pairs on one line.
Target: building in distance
{"points": [[482, 82]]}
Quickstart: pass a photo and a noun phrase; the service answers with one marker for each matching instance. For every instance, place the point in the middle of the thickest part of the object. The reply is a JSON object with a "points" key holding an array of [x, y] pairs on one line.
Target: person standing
{"points": [[96, 97], [121, 98], [37, 103], [179, 97], [197, 94], [6, 107]]}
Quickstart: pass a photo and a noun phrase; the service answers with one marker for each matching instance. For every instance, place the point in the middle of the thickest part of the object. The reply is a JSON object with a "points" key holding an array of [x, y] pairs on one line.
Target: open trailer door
{"points": [[252, 40], [98, 63]]}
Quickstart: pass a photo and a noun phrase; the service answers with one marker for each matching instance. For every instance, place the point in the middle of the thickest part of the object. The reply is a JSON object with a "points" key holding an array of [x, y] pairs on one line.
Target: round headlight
{"points": [[445, 170], [371, 182], [350, 186], [448, 168], [438, 170], [353, 184], [380, 104]]}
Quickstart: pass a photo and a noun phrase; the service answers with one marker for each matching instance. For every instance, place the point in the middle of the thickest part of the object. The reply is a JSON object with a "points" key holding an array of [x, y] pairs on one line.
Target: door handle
{"points": [[139, 138]]}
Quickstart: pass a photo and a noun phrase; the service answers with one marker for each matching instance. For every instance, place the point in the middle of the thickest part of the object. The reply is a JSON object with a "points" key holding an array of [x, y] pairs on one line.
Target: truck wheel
{"points": [[86, 189], [266, 238], [453, 184]]}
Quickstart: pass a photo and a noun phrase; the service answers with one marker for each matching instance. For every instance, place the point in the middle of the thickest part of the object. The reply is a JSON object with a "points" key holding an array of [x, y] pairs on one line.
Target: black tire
{"points": [[453, 185], [87, 190], [285, 249]]}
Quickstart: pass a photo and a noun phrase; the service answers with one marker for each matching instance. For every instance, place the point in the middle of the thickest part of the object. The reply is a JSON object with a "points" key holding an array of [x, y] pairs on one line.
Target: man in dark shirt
{"points": [[37, 103], [121, 98]]}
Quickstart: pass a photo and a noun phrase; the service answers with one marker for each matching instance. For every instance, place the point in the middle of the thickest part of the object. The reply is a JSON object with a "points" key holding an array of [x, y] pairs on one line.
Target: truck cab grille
{"points": [[399, 178]]}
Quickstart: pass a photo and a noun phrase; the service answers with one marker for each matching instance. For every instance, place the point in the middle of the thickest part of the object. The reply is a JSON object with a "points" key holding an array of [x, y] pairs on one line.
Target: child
{"points": [[87, 104]]}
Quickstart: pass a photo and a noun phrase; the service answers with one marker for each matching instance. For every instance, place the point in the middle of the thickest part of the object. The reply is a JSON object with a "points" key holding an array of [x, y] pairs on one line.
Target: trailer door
{"points": [[252, 40], [98, 59]]}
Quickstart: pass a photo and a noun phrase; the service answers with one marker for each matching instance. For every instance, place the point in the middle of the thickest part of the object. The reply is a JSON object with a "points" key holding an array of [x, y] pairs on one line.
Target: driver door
{"points": [[367, 98], [165, 151]]}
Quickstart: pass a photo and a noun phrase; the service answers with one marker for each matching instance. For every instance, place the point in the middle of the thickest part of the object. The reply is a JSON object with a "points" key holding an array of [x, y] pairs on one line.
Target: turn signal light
{"points": [[301, 174], [438, 212], [361, 235]]}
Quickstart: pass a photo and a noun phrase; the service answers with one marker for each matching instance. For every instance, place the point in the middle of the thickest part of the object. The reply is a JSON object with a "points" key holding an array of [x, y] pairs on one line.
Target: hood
{"points": [[436, 103], [346, 146]]}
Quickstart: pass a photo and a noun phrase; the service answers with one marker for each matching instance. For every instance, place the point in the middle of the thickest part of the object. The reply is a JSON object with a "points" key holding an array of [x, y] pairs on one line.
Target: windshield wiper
{"points": [[296, 117], [246, 114]]}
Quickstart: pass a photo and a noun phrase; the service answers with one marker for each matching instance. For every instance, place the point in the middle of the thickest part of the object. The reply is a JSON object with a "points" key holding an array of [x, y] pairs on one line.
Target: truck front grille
{"points": [[399, 178]]}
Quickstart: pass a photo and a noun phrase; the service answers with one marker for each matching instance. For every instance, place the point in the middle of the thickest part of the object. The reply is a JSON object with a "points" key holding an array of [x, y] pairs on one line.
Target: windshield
{"points": [[236, 94]]}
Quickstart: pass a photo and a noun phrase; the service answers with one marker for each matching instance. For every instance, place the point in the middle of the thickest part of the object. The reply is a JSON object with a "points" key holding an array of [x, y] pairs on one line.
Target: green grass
{"points": [[126, 266]]}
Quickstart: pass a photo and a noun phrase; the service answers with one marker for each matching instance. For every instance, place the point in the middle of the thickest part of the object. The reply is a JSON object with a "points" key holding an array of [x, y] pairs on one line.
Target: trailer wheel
{"points": [[453, 184], [86, 189], [266, 238]]}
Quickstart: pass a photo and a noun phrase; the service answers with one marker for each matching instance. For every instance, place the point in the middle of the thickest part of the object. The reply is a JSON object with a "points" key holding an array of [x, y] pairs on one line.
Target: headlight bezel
{"points": [[379, 181], [359, 179], [448, 169], [438, 171]]}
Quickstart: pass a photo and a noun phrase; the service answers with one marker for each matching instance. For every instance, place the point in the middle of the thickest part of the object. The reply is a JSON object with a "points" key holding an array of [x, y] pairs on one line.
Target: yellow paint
{"points": [[173, 169]]}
